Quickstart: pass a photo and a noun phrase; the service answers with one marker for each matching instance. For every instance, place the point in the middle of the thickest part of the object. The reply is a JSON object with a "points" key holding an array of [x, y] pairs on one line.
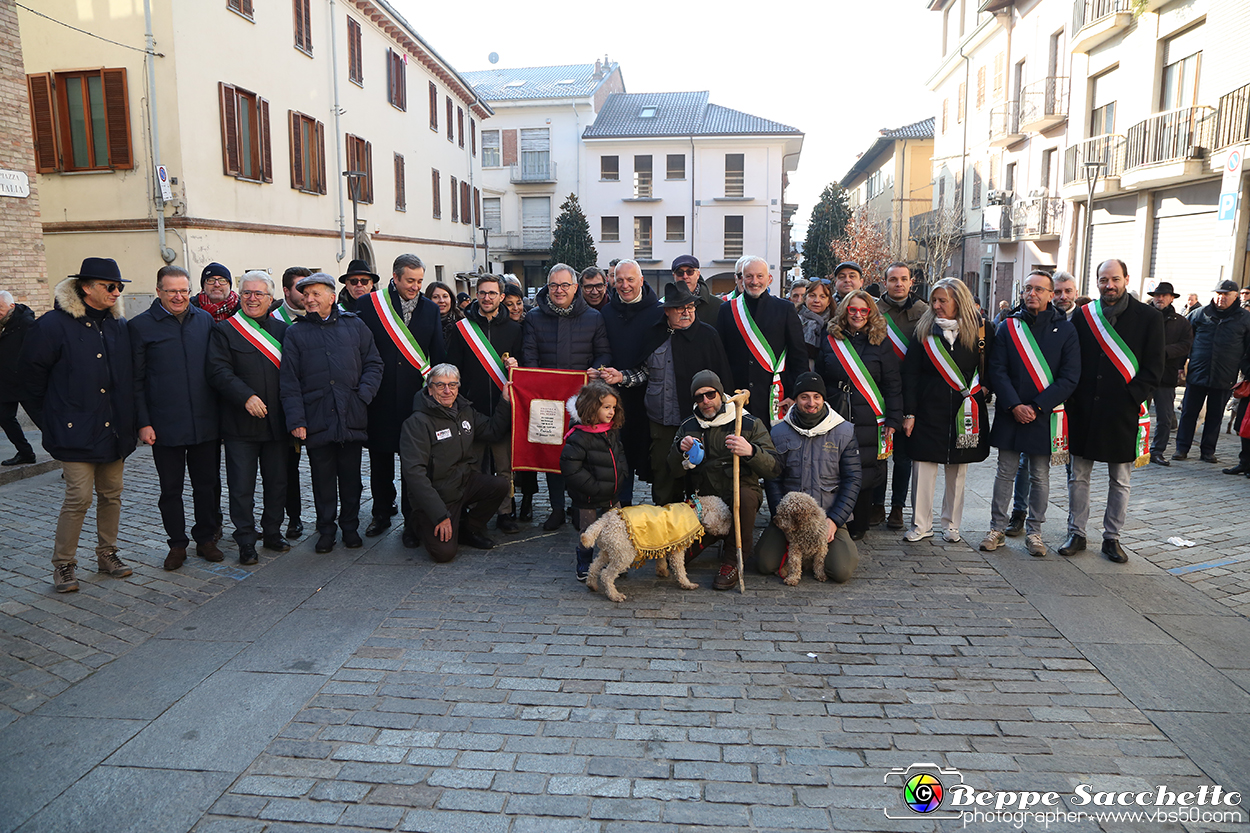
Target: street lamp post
{"points": [[1093, 169]]}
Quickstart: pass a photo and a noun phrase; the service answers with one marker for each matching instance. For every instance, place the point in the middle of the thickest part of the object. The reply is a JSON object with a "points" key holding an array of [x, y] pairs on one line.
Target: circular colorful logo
{"points": [[923, 793]]}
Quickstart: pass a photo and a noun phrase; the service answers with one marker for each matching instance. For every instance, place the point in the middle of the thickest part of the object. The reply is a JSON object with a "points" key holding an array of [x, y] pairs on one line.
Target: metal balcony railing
{"points": [[1044, 103], [1005, 124], [1233, 122], [1107, 148], [922, 226], [1088, 12], [534, 170], [1185, 133], [535, 240], [1037, 217]]}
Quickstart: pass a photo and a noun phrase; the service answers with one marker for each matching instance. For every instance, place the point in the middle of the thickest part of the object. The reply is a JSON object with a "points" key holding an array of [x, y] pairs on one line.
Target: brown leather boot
{"points": [[176, 557]]}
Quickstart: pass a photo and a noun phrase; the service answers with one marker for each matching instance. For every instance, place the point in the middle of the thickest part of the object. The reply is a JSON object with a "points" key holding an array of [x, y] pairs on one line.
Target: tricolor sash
{"points": [[398, 331], [283, 315], [968, 420], [763, 353], [484, 350], [1125, 362], [854, 367], [1040, 373], [269, 346], [898, 341]]}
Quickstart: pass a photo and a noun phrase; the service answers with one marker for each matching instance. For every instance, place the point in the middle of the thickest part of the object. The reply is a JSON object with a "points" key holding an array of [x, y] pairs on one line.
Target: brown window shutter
{"points": [[460, 124], [266, 149], [980, 87], [299, 23], [245, 6], [321, 158], [295, 126], [351, 49], [401, 199], [477, 208], [229, 129], [117, 118], [433, 106], [43, 122], [455, 202], [438, 203], [368, 150], [466, 197], [451, 134], [390, 77], [473, 138], [509, 147]]}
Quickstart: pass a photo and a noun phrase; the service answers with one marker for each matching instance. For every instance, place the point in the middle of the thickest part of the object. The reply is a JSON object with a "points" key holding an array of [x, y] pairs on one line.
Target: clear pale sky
{"points": [[839, 70]]}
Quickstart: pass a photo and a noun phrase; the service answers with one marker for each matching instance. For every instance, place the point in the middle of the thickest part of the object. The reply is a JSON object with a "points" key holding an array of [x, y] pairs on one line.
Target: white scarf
{"points": [[949, 329], [724, 417]]}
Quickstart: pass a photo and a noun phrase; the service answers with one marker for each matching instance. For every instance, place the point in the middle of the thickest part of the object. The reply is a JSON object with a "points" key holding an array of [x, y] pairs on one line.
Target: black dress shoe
{"points": [[19, 460], [859, 535], [1159, 459], [377, 526], [276, 543], [410, 540], [507, 523], [325, 542], [1114, 551], [1240, 468], [394, 510], [474, 538], [1181, 455], [247, 554], [554, 521], [295, 529], [1209, 458], [1074, 544], [352, 539]]}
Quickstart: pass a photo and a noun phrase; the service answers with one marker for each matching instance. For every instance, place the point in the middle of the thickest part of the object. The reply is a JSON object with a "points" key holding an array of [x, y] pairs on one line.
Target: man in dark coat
{"points": [[487, 323], [563, 333], [630, 317], [244, 355], [78, 369], [453, 499], [392, 315], [330, 373], [779, 325], [902, 310], [1033, 367], [286, 310], [217, 296], [359, 281], [178, 415], [1221, 350], [1105, 411], [15, 322], [686, 271], [1178, 336]]}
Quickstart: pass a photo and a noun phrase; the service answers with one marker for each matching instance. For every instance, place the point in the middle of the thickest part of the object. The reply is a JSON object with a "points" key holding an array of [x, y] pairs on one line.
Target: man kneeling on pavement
{"points": [[439, 457]]}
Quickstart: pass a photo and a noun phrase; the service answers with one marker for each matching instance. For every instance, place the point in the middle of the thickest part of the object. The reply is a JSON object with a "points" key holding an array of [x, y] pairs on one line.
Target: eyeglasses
{"points": [[687, 310], [685, 270], [176, 293], [594, 287], [486, 293], [359, 281], [445, 385], [560, 287], [1040, 290], [255, 293], [112, 287], [858, 312], [705, 394], [217, 279]]}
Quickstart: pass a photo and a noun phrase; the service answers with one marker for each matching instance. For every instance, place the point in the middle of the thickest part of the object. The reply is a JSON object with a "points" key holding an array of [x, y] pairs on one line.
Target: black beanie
{"points": [[706, 379], [809, 382]]}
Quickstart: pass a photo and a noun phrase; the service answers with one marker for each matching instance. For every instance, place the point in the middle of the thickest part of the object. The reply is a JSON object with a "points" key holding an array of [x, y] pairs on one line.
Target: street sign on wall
{"points": [[14, 184], [1230, 190]]}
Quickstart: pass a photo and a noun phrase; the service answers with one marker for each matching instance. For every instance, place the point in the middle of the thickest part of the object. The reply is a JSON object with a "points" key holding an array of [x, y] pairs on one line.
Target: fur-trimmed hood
{"points": [[71, 303]]}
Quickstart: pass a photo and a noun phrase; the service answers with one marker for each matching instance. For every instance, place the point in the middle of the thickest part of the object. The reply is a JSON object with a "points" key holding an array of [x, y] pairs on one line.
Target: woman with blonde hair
{"points": [[861, 375], [945, 419]]}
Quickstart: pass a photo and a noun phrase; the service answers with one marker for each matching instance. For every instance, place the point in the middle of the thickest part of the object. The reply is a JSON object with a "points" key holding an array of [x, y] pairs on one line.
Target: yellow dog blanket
{"points": [[656, 531]]}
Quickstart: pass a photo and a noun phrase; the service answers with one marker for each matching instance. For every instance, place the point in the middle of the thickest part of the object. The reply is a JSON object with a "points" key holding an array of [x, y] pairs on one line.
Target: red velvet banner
{"points": [[539, 418]]}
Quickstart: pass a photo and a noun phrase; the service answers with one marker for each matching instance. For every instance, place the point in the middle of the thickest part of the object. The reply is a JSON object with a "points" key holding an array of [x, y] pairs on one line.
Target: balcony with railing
{"points": [[924, 225], [1232, 125], [538, 170], [1107, 149], [1044, 104], [1168, 147], [1005, 124], [1037, 218], [1097, 21]]}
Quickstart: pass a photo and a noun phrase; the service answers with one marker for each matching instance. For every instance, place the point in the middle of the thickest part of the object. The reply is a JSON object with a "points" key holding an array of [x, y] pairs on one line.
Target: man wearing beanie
{"points": [[819, 457], [217, 296], [705, 446]]}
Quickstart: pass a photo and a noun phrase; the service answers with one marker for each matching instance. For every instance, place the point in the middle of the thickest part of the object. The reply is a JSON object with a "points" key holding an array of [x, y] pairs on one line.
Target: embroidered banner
{"points": [[539, 418]]}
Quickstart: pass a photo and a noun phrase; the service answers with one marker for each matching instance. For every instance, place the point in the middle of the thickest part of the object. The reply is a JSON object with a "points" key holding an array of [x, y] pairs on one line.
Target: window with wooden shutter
{"points": [[460, 124], [360, 160], [477, 208], [308, 158], [433, 106], [960, 105], [436, 190], [396, 80], [80, 120], [491, 156], [451, 132], [303, 25], [243, 7], [980, 87], [473, 137], [455, 201], [466, 197], [401, 188], [246, 147], [1000, 75], [355, 59]]}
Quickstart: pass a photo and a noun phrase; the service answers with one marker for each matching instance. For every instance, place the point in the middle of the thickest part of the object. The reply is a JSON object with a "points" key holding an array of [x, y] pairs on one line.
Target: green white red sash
{"points": [[898, 341], [269, 346], [968, 420], [763, 353], [854, 367], [484, 350], [1125, 362], [1039, 371], [398, 331], [283, 315]]}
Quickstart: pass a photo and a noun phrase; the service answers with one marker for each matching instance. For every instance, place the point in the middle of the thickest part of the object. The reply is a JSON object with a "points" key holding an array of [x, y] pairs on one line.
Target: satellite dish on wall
{"points": [[493, 57]]}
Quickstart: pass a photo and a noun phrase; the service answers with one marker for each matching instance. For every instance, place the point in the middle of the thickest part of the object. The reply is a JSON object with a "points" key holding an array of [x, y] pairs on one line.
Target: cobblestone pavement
{"points": [[373, 690]]}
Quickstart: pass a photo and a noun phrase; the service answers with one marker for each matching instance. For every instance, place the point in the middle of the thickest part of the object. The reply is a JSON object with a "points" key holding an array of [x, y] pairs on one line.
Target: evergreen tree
{"points": [[572, 243], [827, 223]]}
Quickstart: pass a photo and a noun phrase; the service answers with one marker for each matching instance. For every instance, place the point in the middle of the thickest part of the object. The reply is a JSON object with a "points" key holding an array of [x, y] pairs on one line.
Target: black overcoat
{"points": [[172, 393], [238, 370], [882, 365], [12, 337], [778, 322], [935, 404], [1012, 385], [632, 336]]}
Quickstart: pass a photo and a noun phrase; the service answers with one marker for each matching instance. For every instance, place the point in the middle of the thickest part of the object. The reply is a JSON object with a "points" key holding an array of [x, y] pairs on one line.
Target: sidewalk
{"points": [[372, 689]]}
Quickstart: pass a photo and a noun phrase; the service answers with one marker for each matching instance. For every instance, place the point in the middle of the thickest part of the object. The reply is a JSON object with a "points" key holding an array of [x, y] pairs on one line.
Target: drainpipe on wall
{"points": [[963, 165], [338, 134], [167, 254]]}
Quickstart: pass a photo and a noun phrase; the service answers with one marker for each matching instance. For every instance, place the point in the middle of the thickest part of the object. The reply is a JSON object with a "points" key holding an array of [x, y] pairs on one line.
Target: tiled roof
{"points": [[676, 114], [922, 129], [525, 83]]}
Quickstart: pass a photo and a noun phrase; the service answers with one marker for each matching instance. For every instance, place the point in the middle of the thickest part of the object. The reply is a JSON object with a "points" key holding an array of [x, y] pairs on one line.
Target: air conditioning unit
{"points": [[1039, 192], [998, 197]]}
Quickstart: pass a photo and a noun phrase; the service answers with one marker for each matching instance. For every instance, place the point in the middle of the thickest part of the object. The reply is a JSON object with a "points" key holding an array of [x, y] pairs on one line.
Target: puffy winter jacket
{"points": [[78, 364], [577, 341], [12, 337], [593, 465], [330, 373], [436, 450], [1221, 346], [172, 390], [822, 461]]}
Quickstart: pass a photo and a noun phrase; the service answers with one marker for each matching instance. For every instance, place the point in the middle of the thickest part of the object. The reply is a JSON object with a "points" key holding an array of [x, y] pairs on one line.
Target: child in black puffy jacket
{"points": [[593, 459]]}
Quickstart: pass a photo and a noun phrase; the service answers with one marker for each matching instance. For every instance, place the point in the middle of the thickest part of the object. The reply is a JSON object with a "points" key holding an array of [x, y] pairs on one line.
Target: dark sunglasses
{"points": [[359, 281], [707, 394], [686, 270], [112, 287]]}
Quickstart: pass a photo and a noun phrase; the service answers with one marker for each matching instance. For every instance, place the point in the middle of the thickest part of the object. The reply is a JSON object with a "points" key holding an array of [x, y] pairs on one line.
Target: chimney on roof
{"points": [[598, 70]]}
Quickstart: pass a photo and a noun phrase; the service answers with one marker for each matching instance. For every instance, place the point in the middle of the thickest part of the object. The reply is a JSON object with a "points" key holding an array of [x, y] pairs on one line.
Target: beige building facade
{"points": [[893, 178], [253, 147]]}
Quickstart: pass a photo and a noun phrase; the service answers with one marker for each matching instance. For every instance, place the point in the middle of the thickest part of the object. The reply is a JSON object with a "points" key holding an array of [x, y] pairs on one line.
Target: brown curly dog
{"points": [[802, 520]]}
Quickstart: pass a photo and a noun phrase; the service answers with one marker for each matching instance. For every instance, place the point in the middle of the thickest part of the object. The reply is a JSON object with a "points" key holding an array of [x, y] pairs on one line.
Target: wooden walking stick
{"points": [[740, 398]]}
